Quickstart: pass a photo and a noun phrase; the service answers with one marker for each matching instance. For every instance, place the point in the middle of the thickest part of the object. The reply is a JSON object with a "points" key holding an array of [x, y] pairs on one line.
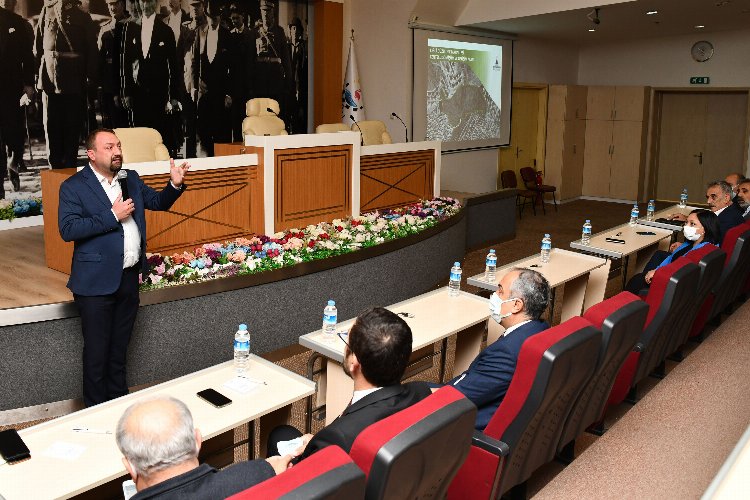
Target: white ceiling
{"points": [[628, 21]]}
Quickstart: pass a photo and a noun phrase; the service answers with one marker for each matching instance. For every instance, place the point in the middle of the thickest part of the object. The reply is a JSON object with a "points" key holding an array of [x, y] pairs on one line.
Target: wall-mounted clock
{"points": [[702, 51]]}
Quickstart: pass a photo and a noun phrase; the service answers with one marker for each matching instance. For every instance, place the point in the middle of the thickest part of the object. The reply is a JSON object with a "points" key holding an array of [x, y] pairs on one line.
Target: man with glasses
{"points": [[377, 351], [521, 297]]}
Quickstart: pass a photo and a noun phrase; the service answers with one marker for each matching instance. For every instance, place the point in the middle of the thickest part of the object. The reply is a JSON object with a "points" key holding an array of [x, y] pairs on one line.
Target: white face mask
{"points": [[691, 233], [496, 304]]}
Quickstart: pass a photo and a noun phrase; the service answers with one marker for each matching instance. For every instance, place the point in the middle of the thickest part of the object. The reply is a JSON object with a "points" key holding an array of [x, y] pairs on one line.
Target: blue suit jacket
{"points": [[85, 217], [488, 378], [729, 218]]}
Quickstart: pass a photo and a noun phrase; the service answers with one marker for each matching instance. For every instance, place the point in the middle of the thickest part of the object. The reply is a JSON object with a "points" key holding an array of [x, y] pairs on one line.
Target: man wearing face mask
{"points": [[744, 198], [521, 297], [701, 228]]}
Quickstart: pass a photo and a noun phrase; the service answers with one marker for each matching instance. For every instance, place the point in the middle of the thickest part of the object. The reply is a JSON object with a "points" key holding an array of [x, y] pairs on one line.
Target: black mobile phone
{"points": [[646, 233], [214, 398], [12, 447]]}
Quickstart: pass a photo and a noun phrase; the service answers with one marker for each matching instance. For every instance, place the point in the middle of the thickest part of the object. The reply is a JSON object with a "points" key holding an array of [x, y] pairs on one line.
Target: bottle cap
{"points": [[331, 303], [588, 221], [650, 201], [492, 250], [456, 264], [546, 235], [243, 327]]}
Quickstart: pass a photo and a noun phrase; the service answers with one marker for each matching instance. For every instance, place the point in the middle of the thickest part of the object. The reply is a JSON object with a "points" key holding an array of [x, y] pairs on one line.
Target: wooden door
{"points": [[574, 147], [726, 132], [523, 149], [702, 136], [600, 102], [625, 170], [596, 158]]}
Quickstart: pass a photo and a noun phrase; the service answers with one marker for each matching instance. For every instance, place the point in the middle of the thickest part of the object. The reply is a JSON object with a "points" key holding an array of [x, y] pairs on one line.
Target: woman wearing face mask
{"points": [[701, 228]]}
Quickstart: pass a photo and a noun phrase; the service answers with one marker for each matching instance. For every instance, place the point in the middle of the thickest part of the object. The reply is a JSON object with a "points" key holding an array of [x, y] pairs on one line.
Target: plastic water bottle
{"points": [[586, 233], [634, 215], [330, 318], [546, 248], [490, 266], [683, 198], [650, 210], [241, 348], [454, 284]]}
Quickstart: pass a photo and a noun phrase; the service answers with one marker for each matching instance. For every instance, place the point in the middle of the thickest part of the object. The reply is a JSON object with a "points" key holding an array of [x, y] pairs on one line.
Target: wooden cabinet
{"points": [[566, 130], [616, 123]]}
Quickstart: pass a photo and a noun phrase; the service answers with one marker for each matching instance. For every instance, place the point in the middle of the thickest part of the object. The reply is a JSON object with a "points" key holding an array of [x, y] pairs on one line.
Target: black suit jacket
{"points": [[206, 483], [215, 74], [16, 56], [158, 73], [368, 410], [729, 218]]}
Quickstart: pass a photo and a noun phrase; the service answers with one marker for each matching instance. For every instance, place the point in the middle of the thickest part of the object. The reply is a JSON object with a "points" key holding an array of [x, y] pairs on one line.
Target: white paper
{"points": [[241, 385], [288, 447], [64, 451]]}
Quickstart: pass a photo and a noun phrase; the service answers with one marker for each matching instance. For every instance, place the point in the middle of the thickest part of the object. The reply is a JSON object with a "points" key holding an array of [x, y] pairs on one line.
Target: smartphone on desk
{"points": [[214, 398], [12, 447]]}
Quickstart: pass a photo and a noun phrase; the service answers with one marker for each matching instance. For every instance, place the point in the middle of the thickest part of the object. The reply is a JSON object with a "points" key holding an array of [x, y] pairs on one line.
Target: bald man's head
{"points": [[156, 434]]}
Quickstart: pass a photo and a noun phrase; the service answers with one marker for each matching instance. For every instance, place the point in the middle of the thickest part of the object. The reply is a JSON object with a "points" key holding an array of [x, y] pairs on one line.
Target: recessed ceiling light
{"points": [[592, 29], [699, 26], [652, 12]]}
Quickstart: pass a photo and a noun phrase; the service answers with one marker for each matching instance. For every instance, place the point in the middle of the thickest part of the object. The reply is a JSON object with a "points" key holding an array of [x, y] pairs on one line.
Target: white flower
{"points": [[5, 203], [379, 239], [337, 222], [359, 238], [279, 259], [278, 236]]}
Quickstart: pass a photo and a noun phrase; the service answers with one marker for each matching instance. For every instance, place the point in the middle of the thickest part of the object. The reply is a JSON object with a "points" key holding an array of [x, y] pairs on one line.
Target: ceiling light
{"points": [[592, 29], [699, 26], [652, 12]]}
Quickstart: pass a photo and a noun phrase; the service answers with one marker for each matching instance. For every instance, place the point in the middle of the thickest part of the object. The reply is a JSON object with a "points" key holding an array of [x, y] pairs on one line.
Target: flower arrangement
{"points": [[258, 253], [10, 209]]}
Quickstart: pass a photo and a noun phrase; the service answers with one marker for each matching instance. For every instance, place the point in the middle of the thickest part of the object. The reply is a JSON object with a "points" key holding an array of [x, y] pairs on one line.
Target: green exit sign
{"points": [[699, 80]]}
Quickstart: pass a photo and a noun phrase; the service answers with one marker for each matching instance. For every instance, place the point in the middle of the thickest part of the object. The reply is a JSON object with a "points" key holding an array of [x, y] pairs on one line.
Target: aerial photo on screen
{"points": [[463, 91]]}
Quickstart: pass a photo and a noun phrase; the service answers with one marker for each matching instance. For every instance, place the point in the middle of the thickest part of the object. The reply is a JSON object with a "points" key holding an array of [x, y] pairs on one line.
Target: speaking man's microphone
{"points": [[406, 129], [361, 135], [122, 178]]}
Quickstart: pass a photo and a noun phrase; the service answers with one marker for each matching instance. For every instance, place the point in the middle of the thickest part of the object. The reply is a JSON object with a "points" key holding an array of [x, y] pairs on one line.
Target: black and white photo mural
{"points": [[183, 67]]}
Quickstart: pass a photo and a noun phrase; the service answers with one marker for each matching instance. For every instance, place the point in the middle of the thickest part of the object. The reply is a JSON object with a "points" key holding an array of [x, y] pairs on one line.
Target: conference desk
{"points": [[84, 461], [642, 246], [665, 213], [584, 277], [434, 316]]}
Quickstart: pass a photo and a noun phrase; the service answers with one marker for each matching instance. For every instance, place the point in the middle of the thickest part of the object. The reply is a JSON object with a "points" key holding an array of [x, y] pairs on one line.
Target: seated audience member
{"points": [[376, 354], [701, 228], [160, 451], [744, 198], [734, 180], [521, 297], [719, 200]]}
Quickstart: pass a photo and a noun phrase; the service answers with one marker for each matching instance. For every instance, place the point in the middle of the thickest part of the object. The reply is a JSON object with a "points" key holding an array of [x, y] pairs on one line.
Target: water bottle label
{"points": [[455, 276], [546, 246], [634, 213], [586, 230], [330, 318], [490, 262], [241, 345]]}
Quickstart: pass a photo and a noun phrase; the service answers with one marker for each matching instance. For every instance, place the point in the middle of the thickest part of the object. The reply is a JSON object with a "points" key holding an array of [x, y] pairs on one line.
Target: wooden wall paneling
{"points": [[574, 148], [256, 207], [630, 103], [575, 102], [327, 78], [597, 159], [600, 102], [312, 185], [396, 179], [58, 254], [625, 171]]}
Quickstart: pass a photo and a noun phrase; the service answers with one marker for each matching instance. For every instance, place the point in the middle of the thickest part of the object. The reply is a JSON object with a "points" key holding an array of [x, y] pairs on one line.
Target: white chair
{"points": [[260, 121], [373, 132], [326, 128], [141, 144]]}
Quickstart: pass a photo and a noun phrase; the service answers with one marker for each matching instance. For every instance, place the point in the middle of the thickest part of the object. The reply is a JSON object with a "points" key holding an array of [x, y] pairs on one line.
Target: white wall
{"points": [[539, 61], [666, 62]]}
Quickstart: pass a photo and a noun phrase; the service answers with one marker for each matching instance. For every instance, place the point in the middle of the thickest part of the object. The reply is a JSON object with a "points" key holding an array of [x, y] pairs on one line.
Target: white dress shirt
{"points": [[364, 392], [719, 211], [147, 31], [174, 21], [132, 240], [747, 211], [518, 325], [212, 42]]}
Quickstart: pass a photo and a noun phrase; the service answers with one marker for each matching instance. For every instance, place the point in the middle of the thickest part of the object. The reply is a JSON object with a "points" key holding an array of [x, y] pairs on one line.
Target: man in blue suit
{"points": [[521, 297], [109, 236]]}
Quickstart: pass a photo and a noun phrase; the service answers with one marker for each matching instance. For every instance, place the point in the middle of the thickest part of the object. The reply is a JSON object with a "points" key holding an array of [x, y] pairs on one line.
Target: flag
{"points": [[351, 97]]}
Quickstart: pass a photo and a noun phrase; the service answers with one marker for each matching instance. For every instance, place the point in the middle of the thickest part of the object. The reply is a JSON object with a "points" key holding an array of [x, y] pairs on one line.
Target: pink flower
{"points": [[237, 256]]}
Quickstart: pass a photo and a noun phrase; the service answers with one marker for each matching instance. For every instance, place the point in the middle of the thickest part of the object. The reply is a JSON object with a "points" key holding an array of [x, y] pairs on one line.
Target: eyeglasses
{"points": [[341, 336]]}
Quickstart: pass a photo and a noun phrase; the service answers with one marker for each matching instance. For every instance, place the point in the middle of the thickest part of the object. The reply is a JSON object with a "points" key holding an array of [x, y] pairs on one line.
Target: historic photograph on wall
{"points": [[183, 67]]}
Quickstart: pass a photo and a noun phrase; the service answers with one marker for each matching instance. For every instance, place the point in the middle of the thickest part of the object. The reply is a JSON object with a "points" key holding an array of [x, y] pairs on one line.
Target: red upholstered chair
{"points": [[508, 181], [530, 181], [620, 319], [552, 368], [328, 474], [670, 295], [416, 452]]}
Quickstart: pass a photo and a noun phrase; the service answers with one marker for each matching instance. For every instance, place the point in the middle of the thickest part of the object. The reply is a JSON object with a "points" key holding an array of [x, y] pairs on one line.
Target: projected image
{"points": [[464, 83]]}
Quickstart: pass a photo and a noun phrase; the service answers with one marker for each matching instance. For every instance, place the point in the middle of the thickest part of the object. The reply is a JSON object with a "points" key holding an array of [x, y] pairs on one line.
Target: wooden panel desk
{"points": [[642, 246], [46, 477], [584, 277], [435, 317]]}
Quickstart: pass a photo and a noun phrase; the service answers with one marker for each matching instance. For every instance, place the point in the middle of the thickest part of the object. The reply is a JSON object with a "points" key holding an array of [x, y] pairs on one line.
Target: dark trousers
{"points": [[149, 111], [113, 114], [637, 283], [107, 323], [214, 122], [64, 116], [280, 433]]}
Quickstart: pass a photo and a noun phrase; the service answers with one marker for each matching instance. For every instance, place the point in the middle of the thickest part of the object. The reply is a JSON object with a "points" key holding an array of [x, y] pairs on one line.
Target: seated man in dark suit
{"points": [[719, 200], [160, 451], [734, 179], [377, 352], [521, 297], [744, 198]]}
